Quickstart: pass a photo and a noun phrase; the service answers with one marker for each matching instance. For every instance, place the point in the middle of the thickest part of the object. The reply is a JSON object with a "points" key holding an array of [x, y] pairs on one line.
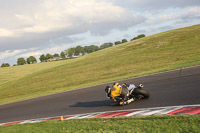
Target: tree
{"points": [[93, 48], [70, 52], [62, 55], [49, 56], [78, 50], [28, 60], [31, 59], [85, 49], [56, 56], [5, 65], [124, 40], [90, 49], [43, 58], [117, 42], [139, 36], [106, 45], [21, 61]]}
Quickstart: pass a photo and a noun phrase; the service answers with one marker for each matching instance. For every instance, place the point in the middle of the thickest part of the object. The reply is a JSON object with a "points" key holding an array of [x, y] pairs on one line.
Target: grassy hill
{"points": [[8, 74], [164, 51]]}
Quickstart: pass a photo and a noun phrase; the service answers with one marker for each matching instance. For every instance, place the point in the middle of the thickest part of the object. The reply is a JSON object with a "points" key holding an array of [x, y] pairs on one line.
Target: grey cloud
{"points": [[101, 28], [29, 40], [32, 40], [65, 40], [189, 18], [19, 43], [121, 24], [141, 31], [8, 9], [145, 5], [165, 28]]}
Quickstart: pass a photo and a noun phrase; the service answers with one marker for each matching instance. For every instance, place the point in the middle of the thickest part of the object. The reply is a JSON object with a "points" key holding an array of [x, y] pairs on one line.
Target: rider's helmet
{"points": [[108, 91]]}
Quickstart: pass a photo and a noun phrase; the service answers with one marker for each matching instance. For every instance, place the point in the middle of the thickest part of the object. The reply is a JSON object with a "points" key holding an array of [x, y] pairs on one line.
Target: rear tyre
{"points": [[142, 93]]}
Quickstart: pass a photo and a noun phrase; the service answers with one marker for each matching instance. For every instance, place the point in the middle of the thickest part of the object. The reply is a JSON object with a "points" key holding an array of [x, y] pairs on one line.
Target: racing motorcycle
{"points": [[135, 93]]}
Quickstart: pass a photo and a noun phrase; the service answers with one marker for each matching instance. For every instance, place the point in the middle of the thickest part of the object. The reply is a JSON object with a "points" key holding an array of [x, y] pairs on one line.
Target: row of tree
{"points": [[43, 58], [138, 37], [50, 57], [5, 65], [29, 60], [69, 53], [79, 50]]}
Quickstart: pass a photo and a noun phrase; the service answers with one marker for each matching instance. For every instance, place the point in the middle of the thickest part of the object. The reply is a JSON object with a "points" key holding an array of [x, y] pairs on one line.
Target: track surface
{"points": [[178, 87]]}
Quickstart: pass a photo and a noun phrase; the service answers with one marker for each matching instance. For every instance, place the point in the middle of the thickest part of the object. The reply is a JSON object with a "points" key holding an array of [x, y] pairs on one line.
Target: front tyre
{"points": [[142, 93]]}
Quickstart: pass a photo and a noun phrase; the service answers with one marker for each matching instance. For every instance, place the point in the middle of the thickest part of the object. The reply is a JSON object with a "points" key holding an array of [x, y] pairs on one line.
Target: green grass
{"points": [[8, 74], [151, 124], [165, 51]]}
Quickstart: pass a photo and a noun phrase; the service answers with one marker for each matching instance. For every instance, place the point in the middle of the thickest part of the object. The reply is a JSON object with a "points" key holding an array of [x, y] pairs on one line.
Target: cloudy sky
{"points": [[36, 27]]}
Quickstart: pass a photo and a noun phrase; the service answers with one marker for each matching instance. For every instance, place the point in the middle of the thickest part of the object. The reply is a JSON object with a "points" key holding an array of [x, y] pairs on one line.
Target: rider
{"points": [[120, 93]]}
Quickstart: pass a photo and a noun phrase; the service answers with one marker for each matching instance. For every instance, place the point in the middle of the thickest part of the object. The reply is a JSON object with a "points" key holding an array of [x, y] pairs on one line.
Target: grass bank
{"points": [[8, 74], [151, 124], [164, 51]]}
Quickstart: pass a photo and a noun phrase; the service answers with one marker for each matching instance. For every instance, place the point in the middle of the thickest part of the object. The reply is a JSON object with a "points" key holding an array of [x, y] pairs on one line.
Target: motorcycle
{"points": [[135, 93]]}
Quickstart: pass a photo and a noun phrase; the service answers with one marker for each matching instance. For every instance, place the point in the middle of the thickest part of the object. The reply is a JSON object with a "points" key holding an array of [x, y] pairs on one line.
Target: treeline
{"points": [[69, 53]]}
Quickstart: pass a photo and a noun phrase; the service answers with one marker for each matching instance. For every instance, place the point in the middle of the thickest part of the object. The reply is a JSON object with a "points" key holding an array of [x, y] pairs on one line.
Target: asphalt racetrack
{"points": [[177, 87]]}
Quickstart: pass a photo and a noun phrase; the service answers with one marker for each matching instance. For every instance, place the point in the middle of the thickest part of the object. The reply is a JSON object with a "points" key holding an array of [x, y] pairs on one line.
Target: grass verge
{"points": [[150, 124]]}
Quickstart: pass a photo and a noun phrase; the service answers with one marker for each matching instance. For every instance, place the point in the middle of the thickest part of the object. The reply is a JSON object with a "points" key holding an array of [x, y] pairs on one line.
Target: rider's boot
{"points": [[130, 100]]}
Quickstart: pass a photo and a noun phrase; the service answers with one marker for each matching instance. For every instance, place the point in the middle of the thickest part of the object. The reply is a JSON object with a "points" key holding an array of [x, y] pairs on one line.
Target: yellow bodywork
{"points": [[116, 91]]}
